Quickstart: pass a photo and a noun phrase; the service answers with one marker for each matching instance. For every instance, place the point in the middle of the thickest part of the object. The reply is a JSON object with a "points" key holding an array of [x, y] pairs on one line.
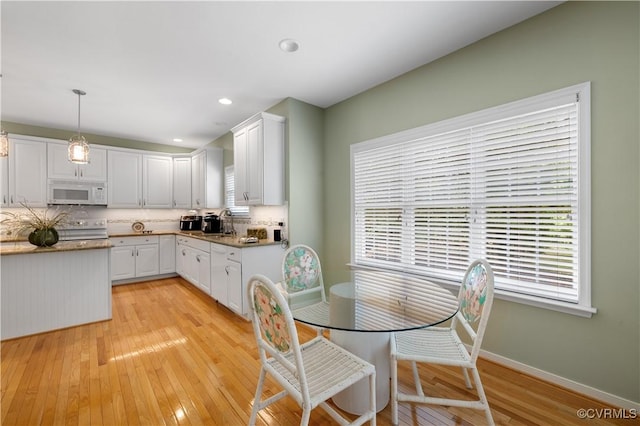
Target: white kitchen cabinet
{"points": [[218, 273], [207, 179], [231, 268], [258, 153], [147, 260], [193, 262], [167, 254], [59, 166], [139, 181], [182, 182], [27, 172], [157, 182], [125, 179], [123, 263], [134, 257]]}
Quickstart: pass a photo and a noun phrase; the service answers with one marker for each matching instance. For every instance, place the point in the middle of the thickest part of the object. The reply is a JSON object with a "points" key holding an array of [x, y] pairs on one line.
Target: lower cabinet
{"points": [[133, 257], [167, 254], [231, 268], [193, 262]]}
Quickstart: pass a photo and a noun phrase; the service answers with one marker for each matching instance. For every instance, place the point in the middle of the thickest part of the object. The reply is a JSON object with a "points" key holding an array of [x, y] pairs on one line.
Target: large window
{"points": [[509, 184]]}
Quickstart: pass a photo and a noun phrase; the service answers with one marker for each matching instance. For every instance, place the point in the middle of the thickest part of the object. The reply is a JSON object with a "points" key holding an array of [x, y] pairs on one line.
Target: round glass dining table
{"points": [[362, 313]]}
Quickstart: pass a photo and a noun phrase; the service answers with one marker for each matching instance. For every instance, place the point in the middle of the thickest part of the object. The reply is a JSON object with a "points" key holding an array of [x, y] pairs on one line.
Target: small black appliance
{"points": [[191, 223], [211, 224]]}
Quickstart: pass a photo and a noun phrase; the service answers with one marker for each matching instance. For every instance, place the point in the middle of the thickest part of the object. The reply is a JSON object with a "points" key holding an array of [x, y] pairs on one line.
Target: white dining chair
{"points": [[442, 345], [311, 372], [302, 276]]}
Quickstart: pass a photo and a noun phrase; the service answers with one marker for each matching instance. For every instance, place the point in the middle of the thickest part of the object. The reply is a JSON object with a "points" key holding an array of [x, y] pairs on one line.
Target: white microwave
{"points": [[78, 193]]}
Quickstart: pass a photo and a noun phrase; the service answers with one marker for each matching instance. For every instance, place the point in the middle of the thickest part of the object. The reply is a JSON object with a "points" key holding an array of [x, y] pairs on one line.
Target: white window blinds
{"points": [[502, 184]]}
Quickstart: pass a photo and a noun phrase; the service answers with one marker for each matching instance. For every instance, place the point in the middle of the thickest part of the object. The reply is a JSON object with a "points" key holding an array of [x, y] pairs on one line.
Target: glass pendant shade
{"points": [[78, 146], [78, 150], [4, 144]]}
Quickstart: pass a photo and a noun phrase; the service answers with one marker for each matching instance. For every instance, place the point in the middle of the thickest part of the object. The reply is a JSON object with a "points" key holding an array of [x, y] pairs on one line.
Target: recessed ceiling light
{"points": [[177, 140], [289, 45], [225, 101]]}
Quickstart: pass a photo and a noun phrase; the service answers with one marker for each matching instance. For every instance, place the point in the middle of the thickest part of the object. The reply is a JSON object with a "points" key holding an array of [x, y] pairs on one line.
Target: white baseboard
{"points": [[589, 391]]}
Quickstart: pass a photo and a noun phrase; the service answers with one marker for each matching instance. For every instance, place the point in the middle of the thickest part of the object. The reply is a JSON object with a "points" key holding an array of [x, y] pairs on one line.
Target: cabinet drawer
{"points": [[234, 254], [195, 243], [133, 241]]}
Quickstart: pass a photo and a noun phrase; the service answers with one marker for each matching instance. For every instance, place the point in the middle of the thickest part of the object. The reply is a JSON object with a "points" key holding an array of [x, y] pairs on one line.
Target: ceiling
{"points": [[154, 71]]}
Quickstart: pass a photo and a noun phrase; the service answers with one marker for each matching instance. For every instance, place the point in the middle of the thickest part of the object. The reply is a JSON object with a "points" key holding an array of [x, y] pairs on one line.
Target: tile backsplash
{"points": [[121, 220]]}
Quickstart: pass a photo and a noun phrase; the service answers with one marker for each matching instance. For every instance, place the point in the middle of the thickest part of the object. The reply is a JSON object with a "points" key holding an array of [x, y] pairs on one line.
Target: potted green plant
{"points": [[40, 225]]}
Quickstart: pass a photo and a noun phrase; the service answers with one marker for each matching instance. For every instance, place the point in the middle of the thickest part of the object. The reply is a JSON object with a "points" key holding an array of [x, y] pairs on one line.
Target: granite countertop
{"points": [[8, 247], [24, 247], [212, 238]]}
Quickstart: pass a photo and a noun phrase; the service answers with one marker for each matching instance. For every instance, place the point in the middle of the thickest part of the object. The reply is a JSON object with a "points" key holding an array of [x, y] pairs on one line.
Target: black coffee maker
{"points": [[211, 224], [191, 223]]}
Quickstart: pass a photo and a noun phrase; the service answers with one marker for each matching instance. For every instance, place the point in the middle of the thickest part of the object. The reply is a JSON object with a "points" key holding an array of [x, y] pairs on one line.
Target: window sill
{"points": [[538, 302]]}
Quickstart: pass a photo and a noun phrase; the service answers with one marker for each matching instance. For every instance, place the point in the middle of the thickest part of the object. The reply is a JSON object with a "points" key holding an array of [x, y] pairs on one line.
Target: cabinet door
{"points": [[123, 262], [218, 273], [146, 260], [255, 163], [198, 180], [125, 180], [27, 173], [4, 182], [182, 183], [240, 167], [58, 164], [157, 182], [181, 259], [234, 286], [203, 265], [96, 170], [167, 254]]}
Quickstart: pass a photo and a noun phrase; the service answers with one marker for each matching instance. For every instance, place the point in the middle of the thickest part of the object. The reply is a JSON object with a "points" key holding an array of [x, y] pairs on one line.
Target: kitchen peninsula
{"points": [[48, 288]]}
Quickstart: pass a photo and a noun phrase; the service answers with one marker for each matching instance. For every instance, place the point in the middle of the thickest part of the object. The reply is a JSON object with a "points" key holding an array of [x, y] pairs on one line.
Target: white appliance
{"points": [[77, 193], [83, 229]]}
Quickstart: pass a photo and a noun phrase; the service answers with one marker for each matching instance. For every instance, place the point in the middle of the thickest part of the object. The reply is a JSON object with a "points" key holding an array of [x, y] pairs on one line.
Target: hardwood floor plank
{"points": [[173, 356]]}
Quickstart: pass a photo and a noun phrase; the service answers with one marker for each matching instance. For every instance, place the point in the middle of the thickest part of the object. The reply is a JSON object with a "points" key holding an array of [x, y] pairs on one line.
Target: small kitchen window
{"points": [[229, 195], [510, 184]]}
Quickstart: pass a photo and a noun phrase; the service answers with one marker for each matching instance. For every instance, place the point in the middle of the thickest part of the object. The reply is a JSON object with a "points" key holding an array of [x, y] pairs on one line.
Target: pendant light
{"points": [[4, 144], [78, 146]]}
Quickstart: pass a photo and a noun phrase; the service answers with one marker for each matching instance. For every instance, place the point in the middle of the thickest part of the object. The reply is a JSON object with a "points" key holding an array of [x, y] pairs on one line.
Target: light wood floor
{"points": [[171, 355]]}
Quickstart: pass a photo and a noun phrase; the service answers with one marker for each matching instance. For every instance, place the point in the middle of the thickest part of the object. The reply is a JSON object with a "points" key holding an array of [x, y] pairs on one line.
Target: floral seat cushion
{"points": [[301, 270], [273, 324], [475, 293]]}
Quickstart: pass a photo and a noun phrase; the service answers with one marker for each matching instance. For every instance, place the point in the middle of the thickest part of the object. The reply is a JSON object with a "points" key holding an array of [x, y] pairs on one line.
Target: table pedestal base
{"points": [[374, 348]]}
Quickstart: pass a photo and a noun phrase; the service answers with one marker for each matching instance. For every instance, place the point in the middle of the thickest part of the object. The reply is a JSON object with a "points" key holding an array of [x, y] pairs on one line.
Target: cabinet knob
{"points": [[198, 259]]}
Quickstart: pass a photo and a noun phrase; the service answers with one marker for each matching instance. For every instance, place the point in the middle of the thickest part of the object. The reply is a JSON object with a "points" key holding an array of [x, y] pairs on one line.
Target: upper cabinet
{"points": [[258, 154], [125, 180], [182, 182], [207, 178], [59, 166], [157, 182], [27, 173], [140, 181]]}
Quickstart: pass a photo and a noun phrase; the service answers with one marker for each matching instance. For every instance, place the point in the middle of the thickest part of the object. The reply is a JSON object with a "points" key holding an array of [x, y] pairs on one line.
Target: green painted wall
{"points": [[45, 132], [572, 43], [304, 147]]}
